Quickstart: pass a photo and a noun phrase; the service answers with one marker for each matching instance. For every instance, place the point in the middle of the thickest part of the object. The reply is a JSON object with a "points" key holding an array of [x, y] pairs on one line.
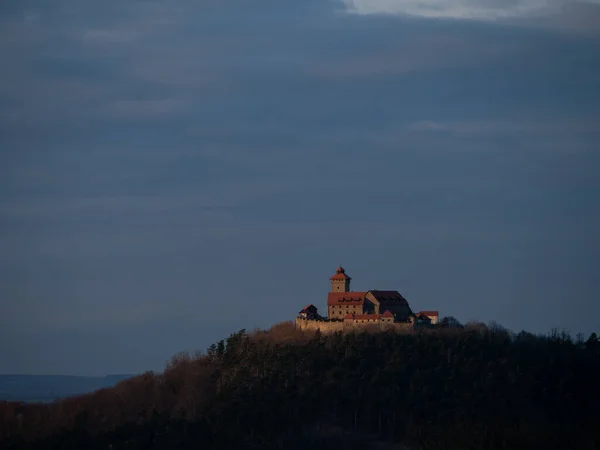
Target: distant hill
{"points": [[477, 387], [46, 388]]}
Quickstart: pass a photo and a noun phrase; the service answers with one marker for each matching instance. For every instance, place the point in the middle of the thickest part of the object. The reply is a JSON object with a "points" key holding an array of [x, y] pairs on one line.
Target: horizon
{"points": [[174, 172]]}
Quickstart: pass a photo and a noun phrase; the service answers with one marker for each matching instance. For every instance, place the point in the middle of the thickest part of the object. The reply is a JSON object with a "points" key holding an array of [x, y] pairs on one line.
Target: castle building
{"points": [[341, 301], [349, 309], [309, 312]]}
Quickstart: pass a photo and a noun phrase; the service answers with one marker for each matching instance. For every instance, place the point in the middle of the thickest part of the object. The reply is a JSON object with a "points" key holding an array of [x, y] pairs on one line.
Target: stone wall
{"points": [[325, 327], [332, 327], [382, 326]]}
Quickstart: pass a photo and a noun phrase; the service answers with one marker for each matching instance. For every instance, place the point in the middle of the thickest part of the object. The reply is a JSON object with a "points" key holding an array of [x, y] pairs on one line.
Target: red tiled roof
{"points": [[429, 313], [393, 296], [387, 313], [338, 298], [340, 274]]}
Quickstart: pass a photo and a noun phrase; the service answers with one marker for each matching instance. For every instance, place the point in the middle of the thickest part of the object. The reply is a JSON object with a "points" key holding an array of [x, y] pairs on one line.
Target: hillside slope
{"points": [[444, 389]]}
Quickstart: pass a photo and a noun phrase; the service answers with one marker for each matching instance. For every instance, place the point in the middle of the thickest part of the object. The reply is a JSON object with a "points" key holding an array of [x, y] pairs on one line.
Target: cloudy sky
{"points": [[173, 171]]}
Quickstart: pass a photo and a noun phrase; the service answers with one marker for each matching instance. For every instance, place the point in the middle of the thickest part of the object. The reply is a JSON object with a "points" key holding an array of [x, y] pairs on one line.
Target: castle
{"points": [[347, 310]]}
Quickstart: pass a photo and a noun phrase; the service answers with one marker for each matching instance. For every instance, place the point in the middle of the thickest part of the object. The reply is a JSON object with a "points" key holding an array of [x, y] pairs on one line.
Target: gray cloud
{"points": [[168, 63], [585, 126], [473, 9]]}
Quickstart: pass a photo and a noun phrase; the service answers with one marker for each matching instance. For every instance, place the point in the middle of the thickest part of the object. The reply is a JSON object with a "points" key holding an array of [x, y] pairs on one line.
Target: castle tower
{"points": [[340, 282]]}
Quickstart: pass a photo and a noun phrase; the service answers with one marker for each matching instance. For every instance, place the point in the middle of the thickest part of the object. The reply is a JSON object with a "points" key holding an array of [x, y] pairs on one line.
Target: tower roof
{"points": [[340, 274]]}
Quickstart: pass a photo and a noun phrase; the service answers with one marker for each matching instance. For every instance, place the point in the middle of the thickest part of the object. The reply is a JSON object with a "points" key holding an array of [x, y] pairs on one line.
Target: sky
{"points": [[174, 171]]}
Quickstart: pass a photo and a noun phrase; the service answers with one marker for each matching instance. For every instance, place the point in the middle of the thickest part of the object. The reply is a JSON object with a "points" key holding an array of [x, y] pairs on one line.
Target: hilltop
{"points": [[475, 387]]}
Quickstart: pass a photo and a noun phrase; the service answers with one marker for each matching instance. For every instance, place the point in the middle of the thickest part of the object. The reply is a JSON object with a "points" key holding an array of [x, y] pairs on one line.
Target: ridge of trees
{"points": [[451, 387]]}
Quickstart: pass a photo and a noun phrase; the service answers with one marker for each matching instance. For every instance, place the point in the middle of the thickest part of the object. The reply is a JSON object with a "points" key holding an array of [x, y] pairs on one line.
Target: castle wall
{"points": [[349, 325], [325, 327]]}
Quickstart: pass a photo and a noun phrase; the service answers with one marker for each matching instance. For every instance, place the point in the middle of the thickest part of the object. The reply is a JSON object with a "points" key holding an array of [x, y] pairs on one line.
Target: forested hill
{"points": [[472, 388]]}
